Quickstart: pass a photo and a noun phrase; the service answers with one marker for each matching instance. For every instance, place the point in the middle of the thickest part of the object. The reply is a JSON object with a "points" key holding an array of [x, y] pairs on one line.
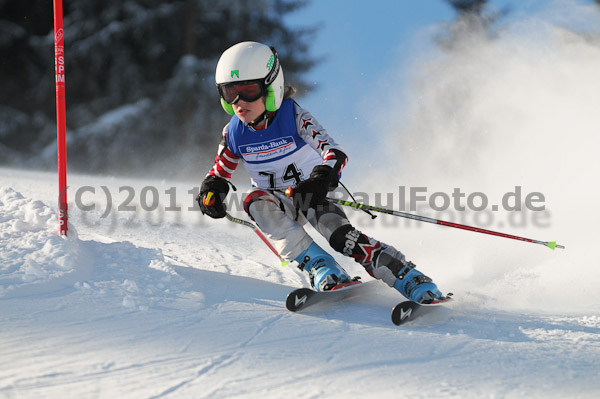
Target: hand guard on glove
{"points": [[312, 192], [212, 194]]}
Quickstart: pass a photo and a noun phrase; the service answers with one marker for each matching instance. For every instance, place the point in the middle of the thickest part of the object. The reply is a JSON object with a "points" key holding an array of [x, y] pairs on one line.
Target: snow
{"points": [[146, 298], [127, 306]]}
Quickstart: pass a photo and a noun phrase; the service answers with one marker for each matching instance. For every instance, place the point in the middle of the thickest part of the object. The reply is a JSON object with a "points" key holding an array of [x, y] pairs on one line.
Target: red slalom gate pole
{"points": [[59, 66]]}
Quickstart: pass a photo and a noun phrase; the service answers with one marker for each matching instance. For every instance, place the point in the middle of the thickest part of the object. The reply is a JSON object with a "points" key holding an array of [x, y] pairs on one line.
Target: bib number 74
{"points": [[292, 175]]}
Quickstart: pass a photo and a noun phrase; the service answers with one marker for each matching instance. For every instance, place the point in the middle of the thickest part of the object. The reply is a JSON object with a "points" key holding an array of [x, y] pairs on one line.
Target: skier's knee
{"points": [[257, 197], [338, 238]]}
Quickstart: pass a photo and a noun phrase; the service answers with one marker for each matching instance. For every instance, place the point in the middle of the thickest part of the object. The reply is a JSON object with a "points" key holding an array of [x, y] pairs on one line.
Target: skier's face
{"points": [[248, 111]]}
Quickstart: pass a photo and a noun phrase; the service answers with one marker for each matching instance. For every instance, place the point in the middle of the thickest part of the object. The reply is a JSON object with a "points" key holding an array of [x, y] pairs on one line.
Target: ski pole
{"points": [[552, 244], [258, 233], [208, 199]]}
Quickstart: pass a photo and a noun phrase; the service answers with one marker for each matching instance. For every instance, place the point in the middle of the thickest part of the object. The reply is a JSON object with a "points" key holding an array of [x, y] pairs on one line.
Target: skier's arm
{"points": [[319, 139], [215, 186], [226, 162], [324, 177]]}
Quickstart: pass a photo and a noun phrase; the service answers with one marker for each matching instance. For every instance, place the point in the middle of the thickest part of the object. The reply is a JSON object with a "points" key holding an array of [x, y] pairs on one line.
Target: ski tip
{"points": [[297, 299], [407, 310], [404, 311]]}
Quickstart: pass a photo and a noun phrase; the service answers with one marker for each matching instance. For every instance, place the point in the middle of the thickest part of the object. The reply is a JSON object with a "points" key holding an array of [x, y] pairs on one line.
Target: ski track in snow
{"points": [[183, 309]]}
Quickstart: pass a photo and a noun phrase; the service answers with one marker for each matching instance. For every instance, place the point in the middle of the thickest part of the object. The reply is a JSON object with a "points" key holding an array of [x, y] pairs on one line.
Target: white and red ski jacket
{"points": [[280, 155]]}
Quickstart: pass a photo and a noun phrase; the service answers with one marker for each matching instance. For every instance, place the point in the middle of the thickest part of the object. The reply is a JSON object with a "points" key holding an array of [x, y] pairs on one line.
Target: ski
{"points": [[302, 298], [409, 310]]}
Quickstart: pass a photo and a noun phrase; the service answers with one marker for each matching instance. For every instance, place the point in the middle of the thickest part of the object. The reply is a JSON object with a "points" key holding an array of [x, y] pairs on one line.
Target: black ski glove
{"points": [[212, 194], [312, 192]]}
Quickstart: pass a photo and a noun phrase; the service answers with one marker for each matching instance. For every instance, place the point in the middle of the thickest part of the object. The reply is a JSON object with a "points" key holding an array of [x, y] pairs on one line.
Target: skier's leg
{"points": [[404, 277], [323, 270], [276, 218], [380, 260]]}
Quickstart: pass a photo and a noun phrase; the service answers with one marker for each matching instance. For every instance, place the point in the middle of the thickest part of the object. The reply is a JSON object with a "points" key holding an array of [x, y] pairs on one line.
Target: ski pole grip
{"points": [[209, 199], [289, 192]]}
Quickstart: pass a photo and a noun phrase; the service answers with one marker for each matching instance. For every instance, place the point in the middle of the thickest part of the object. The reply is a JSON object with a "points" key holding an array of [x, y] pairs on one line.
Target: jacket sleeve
{"points": [[226, 162], [319, 139]]}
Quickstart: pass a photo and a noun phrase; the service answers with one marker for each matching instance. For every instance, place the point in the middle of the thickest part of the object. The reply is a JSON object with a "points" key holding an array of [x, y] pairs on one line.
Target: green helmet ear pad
{"points": [[227, 107], [270, 99], [269, 102]]}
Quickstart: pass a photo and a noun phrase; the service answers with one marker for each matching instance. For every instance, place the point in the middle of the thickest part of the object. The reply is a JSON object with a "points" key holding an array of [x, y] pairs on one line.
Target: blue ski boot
{"points": [[323, 270], [392, 267]]}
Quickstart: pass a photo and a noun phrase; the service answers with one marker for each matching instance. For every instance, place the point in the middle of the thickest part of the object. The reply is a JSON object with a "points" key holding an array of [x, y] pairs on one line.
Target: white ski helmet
{"points": [[252, 61]]}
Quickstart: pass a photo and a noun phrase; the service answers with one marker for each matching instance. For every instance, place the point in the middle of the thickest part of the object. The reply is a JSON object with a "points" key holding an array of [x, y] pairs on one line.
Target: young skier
{"points": [[281, 144]]}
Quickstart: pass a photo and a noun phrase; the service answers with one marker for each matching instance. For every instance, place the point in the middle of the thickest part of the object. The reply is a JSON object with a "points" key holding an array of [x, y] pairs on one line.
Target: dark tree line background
{"points": [[139, 78]]}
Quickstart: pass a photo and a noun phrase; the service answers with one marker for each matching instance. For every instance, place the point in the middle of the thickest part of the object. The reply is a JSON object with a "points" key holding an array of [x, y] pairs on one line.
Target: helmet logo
{"points": [[271, 61], [236, 73]]}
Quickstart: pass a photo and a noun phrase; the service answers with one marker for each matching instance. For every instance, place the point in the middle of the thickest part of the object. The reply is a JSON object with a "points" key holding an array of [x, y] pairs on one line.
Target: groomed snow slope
{"points": [[132, 308], [148, 299]]}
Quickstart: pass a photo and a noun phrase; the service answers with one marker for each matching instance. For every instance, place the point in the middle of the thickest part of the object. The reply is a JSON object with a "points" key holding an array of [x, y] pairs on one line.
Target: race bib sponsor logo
{"points": [[268, 150]]}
